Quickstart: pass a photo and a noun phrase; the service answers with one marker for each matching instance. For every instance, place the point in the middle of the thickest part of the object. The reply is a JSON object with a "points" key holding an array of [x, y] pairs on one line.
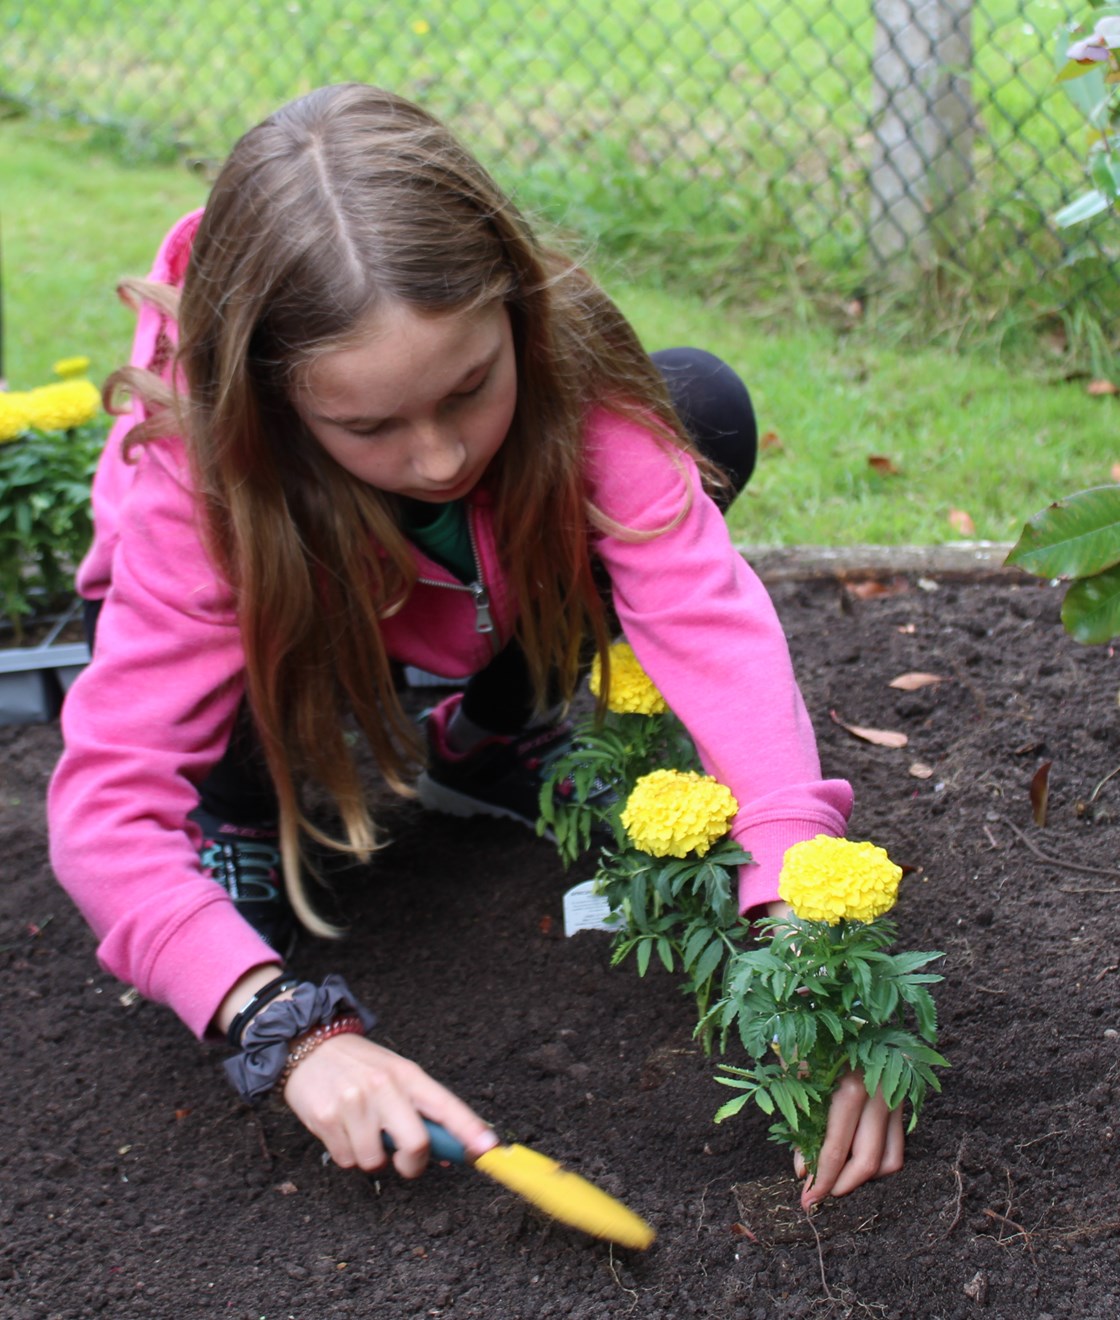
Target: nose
{"points": [[439, 455]]}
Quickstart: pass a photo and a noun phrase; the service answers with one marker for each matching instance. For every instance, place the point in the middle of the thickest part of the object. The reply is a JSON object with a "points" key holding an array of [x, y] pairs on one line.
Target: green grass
{"points": [[740, 126], [964, 431], [74, 222]]}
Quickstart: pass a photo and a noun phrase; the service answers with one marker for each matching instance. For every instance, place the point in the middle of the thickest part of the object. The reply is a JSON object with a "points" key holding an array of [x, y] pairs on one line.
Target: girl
{"points": [[374, 423]]}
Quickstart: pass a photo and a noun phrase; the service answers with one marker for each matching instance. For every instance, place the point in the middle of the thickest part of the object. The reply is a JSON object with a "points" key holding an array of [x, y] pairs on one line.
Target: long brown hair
{"points": [[346, 198]]}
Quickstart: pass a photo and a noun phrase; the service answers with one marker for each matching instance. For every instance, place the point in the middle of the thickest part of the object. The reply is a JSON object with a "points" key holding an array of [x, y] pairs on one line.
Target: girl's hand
{"points": [[350, 1090], [863, 1140]]}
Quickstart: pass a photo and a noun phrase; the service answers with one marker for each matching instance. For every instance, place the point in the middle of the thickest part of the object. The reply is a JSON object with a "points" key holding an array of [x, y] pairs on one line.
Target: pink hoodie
{"points": [[153, 711]]}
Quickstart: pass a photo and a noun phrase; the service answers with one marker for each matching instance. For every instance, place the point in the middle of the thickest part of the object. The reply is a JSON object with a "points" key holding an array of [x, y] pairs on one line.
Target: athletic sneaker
{"points": [[500, 776], [245, 861]]}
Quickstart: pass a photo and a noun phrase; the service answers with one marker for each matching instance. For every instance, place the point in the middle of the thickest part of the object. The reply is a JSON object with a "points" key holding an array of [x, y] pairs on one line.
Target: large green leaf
{"points": [[1091, 609], [1075, 537]]}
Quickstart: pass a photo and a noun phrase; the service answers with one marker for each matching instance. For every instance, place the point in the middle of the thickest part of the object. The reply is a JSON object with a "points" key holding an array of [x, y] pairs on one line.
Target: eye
{"points": [[472, 390]]}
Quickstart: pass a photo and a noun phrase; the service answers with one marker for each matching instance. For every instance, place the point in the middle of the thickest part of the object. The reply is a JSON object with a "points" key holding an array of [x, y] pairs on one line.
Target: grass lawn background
{"points": [[963, 433]]}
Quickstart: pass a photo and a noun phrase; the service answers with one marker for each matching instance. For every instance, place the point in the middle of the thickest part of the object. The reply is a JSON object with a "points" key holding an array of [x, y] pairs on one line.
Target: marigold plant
{"points": [[672, 813], [634, 734], [822, 996], [631, 690], [666, 865], [831, 880], [818, 994], [51, 439]]}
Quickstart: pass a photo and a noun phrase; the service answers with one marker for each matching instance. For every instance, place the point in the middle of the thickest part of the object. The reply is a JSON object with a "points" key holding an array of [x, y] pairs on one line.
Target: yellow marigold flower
{"points": [[15, 414], [71, 366], [672, 813], [632, 690], [64, 404], [832, 880]]}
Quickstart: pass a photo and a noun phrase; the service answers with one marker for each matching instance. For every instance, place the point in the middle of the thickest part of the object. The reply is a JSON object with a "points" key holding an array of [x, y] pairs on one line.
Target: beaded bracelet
{"points": [[266, 1040], [349, 1023]]}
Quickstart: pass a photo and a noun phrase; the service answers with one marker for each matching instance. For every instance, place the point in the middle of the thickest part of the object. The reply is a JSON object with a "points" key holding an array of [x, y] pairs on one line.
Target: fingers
{"points": [[352, 1093], [863, 1140], [843, 1119]]}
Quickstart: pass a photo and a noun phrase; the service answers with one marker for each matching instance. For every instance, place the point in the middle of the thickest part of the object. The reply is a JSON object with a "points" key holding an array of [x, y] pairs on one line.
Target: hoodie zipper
{"points": [[483, 619]]}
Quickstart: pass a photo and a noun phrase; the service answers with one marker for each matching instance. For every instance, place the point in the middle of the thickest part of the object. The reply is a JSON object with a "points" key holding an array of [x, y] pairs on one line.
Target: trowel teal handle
{"points": [[443, 1145]]}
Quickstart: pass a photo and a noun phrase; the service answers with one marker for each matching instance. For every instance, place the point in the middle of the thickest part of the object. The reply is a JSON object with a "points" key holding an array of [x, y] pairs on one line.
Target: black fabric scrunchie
{"points": [[264, 1042]]}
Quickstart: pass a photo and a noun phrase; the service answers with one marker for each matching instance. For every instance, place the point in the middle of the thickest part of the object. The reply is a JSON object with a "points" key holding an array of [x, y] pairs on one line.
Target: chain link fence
{"points": [[855, 145]]}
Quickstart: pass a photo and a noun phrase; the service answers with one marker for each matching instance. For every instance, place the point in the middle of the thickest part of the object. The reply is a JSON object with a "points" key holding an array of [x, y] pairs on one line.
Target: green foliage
{"points": [[824, 999], [1094, 88], [683, 910], [584, 787], [45, 522], [1078, 538]]}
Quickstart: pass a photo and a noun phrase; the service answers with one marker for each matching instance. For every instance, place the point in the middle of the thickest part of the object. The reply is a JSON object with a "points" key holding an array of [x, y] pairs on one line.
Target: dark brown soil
{"points": [[134, 1184]]}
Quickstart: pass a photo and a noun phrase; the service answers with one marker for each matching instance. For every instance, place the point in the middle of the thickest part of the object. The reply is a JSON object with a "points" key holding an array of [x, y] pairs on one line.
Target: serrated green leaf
{"points": [[1075, 537], [709, 961], [783, 1097], [1091, 609], [925, 1010], [665, 953], [873, 1060], [732, 1107], [694, 944], [805, 1036], [643, 955], [905, 964], [893, 1080], [832, 1024]]}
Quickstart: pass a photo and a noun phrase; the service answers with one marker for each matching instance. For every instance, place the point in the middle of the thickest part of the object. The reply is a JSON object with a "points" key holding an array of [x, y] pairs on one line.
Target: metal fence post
{"points": [[922, 129]]}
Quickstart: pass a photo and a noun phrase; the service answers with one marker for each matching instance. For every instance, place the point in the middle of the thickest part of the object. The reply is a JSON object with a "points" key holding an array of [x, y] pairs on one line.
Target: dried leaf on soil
{"points": [[880, 737], [872, 588], [1040, 792], [911, 682]]}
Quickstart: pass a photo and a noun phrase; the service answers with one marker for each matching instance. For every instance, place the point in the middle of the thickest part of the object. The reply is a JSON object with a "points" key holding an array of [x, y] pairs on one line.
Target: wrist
{"points": [[239, 994], [287, 1025]]}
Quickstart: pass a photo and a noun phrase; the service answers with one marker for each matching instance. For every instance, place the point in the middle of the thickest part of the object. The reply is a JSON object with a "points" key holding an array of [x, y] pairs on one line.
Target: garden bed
{"points": [[135, 1184]]}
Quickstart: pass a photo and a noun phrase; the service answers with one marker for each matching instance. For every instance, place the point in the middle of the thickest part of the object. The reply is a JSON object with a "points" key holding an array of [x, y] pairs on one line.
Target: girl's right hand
{"points": [[349, 1090]]}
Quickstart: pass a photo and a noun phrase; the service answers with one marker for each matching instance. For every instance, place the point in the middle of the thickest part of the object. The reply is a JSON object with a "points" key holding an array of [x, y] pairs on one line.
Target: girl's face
{"points": [[420, 404]]}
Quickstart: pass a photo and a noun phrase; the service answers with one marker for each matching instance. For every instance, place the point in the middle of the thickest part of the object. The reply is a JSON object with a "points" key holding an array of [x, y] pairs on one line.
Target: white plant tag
{"points": [[586, 910]]}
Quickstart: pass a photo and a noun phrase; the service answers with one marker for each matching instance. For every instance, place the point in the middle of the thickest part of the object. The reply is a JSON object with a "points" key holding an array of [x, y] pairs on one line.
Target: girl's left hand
{"points": [[863, 1140]]}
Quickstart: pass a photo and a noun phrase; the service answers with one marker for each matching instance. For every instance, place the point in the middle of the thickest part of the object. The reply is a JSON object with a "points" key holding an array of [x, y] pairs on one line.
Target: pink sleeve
{"points": [[705, 630], [142, 726]]}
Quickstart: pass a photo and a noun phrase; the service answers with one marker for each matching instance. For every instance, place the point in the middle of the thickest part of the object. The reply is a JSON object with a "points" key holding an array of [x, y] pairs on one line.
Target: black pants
{"points": [[715, 408]]}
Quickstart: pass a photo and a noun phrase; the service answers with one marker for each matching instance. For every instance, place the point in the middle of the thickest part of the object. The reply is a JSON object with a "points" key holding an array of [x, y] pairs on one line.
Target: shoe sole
{"points": [[438, 797]]}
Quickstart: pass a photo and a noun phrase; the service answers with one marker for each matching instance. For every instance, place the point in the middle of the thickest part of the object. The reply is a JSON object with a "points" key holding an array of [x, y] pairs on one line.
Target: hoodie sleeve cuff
{"points": [[767, 844]]}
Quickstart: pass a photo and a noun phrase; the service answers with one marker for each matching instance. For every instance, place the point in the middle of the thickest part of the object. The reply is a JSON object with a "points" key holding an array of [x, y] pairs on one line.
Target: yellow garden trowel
{"points": [[559, 1193]]}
